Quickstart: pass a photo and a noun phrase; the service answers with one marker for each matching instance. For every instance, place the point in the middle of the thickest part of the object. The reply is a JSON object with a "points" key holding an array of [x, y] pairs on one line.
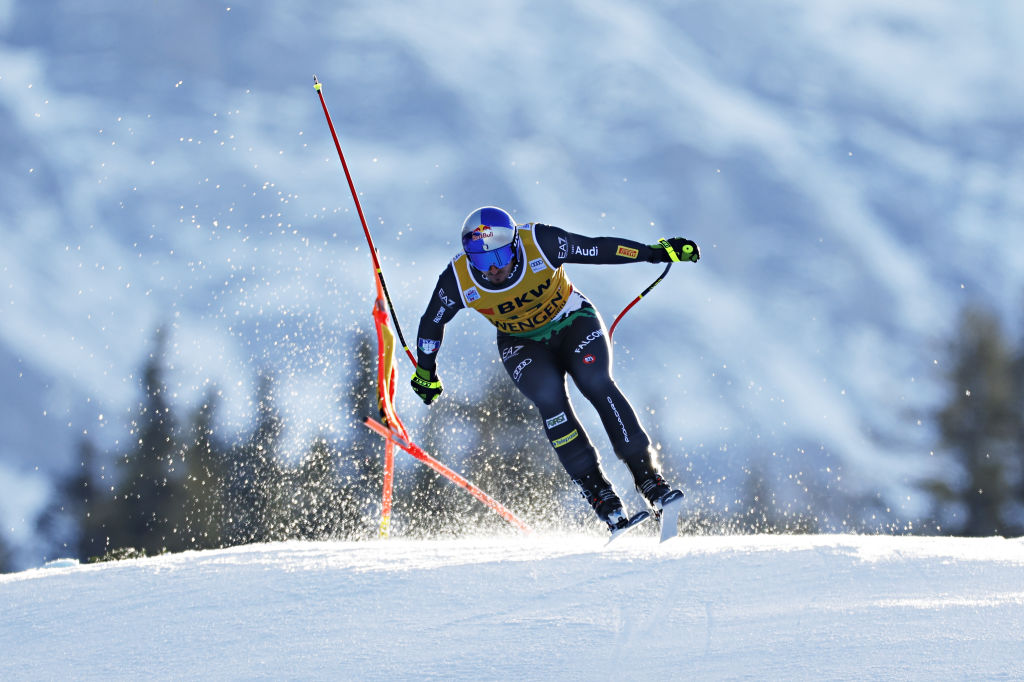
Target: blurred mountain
{"points": [[851, 170]]}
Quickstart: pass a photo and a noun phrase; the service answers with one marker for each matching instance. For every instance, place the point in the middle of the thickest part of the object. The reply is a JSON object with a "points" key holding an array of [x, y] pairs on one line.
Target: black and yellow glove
{"points": [[675, 250], [426, 385]]}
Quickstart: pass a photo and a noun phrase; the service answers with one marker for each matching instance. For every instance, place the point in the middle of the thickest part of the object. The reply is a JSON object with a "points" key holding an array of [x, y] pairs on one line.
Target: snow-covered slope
{"points": [[541, 608]]}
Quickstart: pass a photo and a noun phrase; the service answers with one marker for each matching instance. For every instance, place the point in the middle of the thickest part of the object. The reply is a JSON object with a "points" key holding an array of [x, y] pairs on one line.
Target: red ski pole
{"points": [[637, 300]]}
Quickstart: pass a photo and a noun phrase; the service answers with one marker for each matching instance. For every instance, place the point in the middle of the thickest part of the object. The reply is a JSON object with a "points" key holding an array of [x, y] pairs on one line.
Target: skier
{"points": [[512, 275]]}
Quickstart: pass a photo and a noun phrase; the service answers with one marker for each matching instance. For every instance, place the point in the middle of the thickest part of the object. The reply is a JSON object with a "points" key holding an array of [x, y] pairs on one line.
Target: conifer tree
{"points": [[69, 521], [147, 511], [6, 556], [253, 503], [206, 476], [317, 502], [361, 463], [755, 511], [979, 426], [1018, 437]]}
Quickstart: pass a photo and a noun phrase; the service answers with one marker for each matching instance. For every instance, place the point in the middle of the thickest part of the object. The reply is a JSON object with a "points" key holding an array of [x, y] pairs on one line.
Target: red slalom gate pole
{"points": [[386, 493], [386, 407], [392, 429], [394, 433], [382, 286]]}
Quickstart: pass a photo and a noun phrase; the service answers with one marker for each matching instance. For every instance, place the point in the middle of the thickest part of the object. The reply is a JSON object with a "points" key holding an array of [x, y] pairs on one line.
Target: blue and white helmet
{"points": [[489, 237]]}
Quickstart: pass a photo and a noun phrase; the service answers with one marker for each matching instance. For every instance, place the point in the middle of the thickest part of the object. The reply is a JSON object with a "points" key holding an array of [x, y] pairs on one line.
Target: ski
{"points": [[633, 522], [671, 506]]}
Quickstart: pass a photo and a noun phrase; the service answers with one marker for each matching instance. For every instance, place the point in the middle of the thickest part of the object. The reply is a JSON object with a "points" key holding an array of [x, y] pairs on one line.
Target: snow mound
{"points": [[558, 607]]}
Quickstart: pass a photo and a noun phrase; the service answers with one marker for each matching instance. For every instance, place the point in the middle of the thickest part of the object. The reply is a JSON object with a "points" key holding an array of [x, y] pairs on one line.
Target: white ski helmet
{"points": [[489, 237]]}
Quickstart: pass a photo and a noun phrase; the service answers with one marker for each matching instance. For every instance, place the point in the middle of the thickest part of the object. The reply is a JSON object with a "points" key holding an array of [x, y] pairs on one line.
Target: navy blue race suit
{"points": [[574, 344]]}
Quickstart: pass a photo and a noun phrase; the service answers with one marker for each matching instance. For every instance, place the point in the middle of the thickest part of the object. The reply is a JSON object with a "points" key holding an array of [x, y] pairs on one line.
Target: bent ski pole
{"points": [[637, 299], [366, 230]]}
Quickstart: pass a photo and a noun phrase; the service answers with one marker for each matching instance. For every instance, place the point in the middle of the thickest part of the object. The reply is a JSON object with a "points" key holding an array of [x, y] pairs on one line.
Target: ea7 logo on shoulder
{"points": [[444, 298]]}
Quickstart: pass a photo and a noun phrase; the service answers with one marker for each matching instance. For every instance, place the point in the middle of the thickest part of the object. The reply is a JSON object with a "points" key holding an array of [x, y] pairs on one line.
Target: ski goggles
{"points": [[499, 258], [476, 245]]}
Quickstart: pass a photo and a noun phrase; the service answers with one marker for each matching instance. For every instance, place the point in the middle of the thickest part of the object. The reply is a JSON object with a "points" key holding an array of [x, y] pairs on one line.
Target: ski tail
{"points": [[671, 505]]}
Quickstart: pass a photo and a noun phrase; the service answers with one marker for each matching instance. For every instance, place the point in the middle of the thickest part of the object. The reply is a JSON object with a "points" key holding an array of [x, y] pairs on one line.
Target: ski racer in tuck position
{"points": [[513, 275]]}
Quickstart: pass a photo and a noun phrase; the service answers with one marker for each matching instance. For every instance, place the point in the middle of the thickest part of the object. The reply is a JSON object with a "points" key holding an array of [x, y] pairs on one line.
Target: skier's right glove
{"points": [[675, 250], [426, 385]]}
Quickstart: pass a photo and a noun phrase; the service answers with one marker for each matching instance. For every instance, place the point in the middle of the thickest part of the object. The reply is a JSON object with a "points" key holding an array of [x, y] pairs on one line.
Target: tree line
{"points": [[178, 486]]}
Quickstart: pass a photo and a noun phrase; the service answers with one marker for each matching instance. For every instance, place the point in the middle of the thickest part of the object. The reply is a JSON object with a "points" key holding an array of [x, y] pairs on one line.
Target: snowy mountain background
{"points": [[851, 170], [838, 607]]}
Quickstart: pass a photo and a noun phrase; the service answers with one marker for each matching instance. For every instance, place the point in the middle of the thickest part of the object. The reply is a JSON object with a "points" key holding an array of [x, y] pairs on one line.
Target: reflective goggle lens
{"points": [[499, 258]]}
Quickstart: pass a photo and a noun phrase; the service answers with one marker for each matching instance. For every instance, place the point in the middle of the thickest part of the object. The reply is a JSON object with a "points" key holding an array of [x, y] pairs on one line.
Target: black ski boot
{"points": [[658, 493], [608, 507], [664, 500], [666, 503], [649, 483], [598, 493]]}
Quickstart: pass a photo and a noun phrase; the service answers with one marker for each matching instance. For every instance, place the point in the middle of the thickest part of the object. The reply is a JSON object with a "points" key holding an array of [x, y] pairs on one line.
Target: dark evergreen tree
{"points": [[1017, 511], [206, 477], [147, 512], [253, 500], [68, 523], [6, 556], [94, 484], [318, 502], [979, 426], [755, 511], [361, 463]]}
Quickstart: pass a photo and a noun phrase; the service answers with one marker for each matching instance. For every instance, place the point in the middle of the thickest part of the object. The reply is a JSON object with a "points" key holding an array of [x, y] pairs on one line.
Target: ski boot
{"points": [[601, 497], [666, 503], [608, 507]]}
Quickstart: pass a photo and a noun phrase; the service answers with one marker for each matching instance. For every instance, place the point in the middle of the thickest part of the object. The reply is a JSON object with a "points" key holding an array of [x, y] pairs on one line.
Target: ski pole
{"points": [[637, 299], [366, 230]]}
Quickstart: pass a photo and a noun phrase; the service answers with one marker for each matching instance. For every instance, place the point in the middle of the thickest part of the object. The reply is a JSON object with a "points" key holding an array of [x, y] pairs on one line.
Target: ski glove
{"points": [[675, 250], [426, 385]]}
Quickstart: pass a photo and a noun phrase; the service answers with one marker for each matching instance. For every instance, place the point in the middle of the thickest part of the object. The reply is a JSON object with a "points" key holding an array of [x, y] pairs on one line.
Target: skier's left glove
{"points": [[675, 250], [427, 385]]}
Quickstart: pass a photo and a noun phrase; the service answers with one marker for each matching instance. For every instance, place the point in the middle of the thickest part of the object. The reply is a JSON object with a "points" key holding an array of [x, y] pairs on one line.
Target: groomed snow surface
{"points": [[756, 607]]}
